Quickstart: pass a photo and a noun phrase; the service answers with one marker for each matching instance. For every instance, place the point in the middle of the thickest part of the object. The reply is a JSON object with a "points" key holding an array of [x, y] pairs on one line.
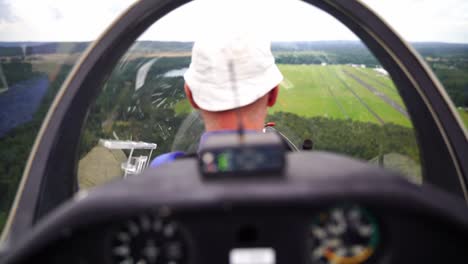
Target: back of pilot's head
{"points": [[230, 64]]}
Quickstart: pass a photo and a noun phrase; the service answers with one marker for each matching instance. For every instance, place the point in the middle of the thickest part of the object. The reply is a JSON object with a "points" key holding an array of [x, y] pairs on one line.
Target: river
{"points": [[19, 103]]}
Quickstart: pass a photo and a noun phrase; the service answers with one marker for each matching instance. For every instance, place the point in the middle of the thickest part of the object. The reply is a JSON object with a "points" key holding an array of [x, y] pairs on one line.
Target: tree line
{"points": [[16, 145]]}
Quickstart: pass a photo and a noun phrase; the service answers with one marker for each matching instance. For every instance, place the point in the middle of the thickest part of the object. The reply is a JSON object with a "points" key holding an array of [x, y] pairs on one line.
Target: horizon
{"points": [[52, 21], [191, 41]]}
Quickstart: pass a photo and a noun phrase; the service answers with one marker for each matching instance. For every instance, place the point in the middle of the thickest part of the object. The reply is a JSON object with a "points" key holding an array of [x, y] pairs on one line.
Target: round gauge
{"points": [[343, 235], [149, 240]]}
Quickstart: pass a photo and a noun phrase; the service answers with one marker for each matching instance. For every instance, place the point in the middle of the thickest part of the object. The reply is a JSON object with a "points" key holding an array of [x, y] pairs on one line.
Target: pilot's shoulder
{"points": [[166, 158]]}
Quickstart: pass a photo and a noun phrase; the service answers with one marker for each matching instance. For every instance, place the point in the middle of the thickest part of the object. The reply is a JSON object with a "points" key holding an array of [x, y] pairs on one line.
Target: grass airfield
{"points": [[341, 92]]}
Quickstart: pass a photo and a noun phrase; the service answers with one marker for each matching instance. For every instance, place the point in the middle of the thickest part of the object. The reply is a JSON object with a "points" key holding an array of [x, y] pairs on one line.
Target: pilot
{"points": [[232, 76]]}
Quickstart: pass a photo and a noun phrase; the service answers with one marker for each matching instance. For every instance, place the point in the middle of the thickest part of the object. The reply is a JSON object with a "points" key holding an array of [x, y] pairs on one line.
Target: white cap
{"points": [[215, 84]]}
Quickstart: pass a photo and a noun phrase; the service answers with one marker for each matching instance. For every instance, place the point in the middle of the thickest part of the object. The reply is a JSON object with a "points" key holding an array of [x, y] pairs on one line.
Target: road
{"points": [[382, 96], [376, 116]]}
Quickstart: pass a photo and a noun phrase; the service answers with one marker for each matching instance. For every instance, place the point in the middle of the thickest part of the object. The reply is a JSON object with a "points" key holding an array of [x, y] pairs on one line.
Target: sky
{"points": [[283, 20]]}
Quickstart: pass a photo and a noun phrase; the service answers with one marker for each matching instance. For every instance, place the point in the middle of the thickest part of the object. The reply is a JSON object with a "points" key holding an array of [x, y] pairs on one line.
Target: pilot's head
{"points": [[229, 71]]}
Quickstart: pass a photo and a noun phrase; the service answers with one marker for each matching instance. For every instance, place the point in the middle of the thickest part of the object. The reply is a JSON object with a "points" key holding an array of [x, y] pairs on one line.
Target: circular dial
{"points": [[149, 240], [343, 235]]}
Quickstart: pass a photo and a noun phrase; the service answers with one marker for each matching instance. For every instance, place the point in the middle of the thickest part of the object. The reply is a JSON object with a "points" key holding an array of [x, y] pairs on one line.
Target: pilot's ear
{"points": [[272, 96], [188, 93]]}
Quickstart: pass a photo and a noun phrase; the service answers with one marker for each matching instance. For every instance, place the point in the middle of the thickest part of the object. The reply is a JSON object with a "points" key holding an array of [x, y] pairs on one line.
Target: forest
{"points": [[16, 145]]}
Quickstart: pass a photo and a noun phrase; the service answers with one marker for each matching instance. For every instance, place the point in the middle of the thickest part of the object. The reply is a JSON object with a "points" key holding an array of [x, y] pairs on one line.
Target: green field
{"points": [[330, 91], [464, 116]]}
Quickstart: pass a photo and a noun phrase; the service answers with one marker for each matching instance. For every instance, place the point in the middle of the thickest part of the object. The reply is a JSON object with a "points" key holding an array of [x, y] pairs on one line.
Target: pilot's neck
{"points": [[229, 121], [252, 118]]}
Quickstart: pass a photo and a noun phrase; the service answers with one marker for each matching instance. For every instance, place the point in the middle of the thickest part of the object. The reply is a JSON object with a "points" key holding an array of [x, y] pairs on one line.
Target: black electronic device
{"points": [[252, 154]]}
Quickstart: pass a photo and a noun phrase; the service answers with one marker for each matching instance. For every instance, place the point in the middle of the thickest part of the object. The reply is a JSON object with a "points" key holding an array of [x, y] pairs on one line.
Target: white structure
{"points": [[381, 70], [134, 165]]}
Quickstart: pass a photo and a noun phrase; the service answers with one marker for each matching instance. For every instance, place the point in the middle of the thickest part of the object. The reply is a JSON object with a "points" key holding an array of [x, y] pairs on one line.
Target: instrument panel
{"points": [[362, 216], [340, 233], [347, 233], [150, 239]]}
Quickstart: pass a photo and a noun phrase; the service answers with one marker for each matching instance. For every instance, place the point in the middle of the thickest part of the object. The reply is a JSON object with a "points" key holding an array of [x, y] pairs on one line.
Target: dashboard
{"points": [[350, 213]]}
